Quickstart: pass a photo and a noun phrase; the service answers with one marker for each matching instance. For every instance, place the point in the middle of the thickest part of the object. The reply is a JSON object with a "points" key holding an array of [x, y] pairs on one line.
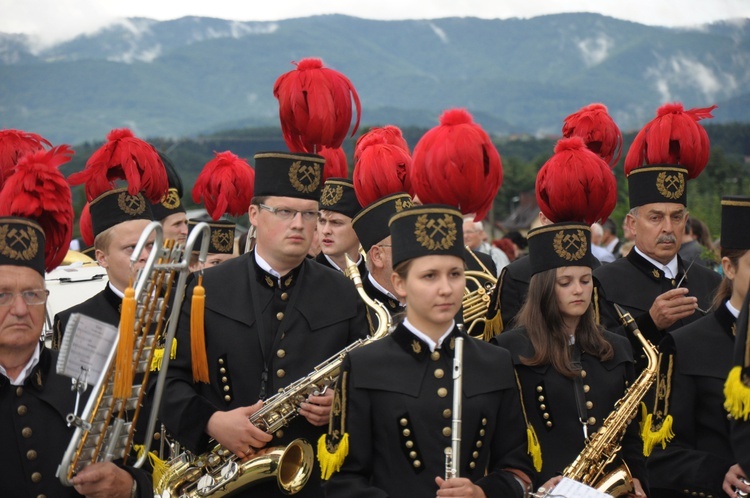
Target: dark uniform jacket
{"points": [[104, 306], [698, 457], [398, 399], [550, 402], [34, 433], [311, 316], [634, 284], [740, 429]]}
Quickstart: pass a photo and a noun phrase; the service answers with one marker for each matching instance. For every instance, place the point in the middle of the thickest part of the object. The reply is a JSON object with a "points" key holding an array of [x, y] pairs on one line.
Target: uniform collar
{"points": [[418, 347], [649, 266], [381, 289], [672, 266], [270, 278], [113, 296], [726, 318]]}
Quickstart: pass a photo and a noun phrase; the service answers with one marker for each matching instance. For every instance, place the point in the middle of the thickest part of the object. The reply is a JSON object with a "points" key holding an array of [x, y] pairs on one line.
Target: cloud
{"points": [[682, 71], [595, 50], [439, 32]]}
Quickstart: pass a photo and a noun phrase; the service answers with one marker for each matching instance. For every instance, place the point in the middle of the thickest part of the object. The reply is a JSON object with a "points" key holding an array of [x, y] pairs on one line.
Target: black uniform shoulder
{"points": [[619, 268], [519, 269], [517, 342], [622, 349]]}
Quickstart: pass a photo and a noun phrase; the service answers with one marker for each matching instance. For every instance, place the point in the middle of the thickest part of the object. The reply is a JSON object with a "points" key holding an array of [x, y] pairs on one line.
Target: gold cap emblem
{"points": [[570, 246], [132, 205], [671, 185], [222, 240], [402, 204], [305, 178], [331, 195], [171, 200], [18, 243], [436, 232]]}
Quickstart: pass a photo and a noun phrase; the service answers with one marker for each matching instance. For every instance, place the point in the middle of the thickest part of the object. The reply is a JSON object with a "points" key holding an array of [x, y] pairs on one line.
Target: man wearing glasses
{"points": [[271, 316]]}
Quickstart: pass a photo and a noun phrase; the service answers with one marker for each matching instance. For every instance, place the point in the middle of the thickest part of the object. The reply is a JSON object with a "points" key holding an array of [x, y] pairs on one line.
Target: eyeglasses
{"points": [[289, 214], [30, 297]]}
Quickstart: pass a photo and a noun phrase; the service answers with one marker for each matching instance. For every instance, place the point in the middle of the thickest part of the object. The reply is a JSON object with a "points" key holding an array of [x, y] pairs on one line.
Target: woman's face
{"points": [[573, 289], [433, 290], [740, 276]]}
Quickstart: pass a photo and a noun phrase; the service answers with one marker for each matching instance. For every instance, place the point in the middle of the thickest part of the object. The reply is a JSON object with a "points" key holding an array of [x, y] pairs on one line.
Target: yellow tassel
{"points": [[197, 333], [534, 448], [156, 359], [662, 435], [124, 359], [737, 395], [159, 467], [173, 350], [332, 462], [493, 326]]}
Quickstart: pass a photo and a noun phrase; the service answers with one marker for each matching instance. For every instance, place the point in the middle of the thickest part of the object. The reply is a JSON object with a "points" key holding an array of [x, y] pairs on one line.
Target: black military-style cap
{"points": [[657, 183], [117, 206], [338, 196], [427, 230], [735, 220], [558, 245], [288, 174], [172, 201], [22, 243], [221, 236], [371, 223]]}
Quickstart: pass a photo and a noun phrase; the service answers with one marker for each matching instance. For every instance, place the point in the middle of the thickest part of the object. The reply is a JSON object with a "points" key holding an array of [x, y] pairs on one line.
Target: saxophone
{"points": [[219, 472], [601, 449], [107, 425]]}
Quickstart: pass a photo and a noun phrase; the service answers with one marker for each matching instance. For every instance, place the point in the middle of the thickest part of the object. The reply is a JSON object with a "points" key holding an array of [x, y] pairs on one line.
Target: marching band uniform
{"points": [[695, 362], [398, 419], [550, 398], [34, 404], [658, 167], [263, 331]]}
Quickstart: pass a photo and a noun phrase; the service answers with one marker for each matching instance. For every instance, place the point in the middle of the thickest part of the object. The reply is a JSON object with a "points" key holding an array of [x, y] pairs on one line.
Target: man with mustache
{"points": [[660, 290]]}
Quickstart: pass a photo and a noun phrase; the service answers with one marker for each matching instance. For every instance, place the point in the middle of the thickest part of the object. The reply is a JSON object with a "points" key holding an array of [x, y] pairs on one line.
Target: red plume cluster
{"points": [[225, 185], [124, 157], [381, 165], [336, 165], [598, 130], [315, 106], [37, 190], [575, 184], [13, 145], [456, 163], [672, 137], [85, 225]]}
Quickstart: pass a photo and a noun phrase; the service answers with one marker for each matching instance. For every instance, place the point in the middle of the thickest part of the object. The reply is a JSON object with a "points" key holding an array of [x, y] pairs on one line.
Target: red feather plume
{"points": [[598, 130], [85, 225], [124, 157], [575, 184], [13, 145], [37, 190], [315, 106], [225, 185], [672, 137], [388, 134], [336, 165], [456, 163], [381, 167]]}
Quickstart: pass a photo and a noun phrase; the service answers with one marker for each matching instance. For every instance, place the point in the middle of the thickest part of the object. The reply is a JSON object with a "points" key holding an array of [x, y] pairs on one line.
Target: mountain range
{"points": [[197, 75]]}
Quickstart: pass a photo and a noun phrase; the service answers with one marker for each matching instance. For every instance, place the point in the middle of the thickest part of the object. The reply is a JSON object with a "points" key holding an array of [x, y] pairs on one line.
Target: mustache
{"points": [[666, 239]]}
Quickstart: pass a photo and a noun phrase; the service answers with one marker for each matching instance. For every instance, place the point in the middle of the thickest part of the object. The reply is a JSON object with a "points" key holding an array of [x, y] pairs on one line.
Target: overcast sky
{"points": [[56, 20]]}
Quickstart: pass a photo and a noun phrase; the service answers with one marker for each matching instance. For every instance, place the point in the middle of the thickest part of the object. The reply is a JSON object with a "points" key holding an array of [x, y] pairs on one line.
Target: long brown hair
{"points": [[726, 287], [541, 317]]}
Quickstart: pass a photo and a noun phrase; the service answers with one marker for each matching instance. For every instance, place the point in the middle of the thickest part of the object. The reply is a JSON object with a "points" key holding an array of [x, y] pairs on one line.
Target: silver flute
{"points": [[453, 454]]}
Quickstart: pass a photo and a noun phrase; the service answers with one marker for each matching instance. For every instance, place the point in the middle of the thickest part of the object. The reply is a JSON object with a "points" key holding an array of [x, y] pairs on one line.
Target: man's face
{"points": [[336, 234], [116, 256], [175, 227], [20, 323], [284, 242], [472, 235], [658, 229]]}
